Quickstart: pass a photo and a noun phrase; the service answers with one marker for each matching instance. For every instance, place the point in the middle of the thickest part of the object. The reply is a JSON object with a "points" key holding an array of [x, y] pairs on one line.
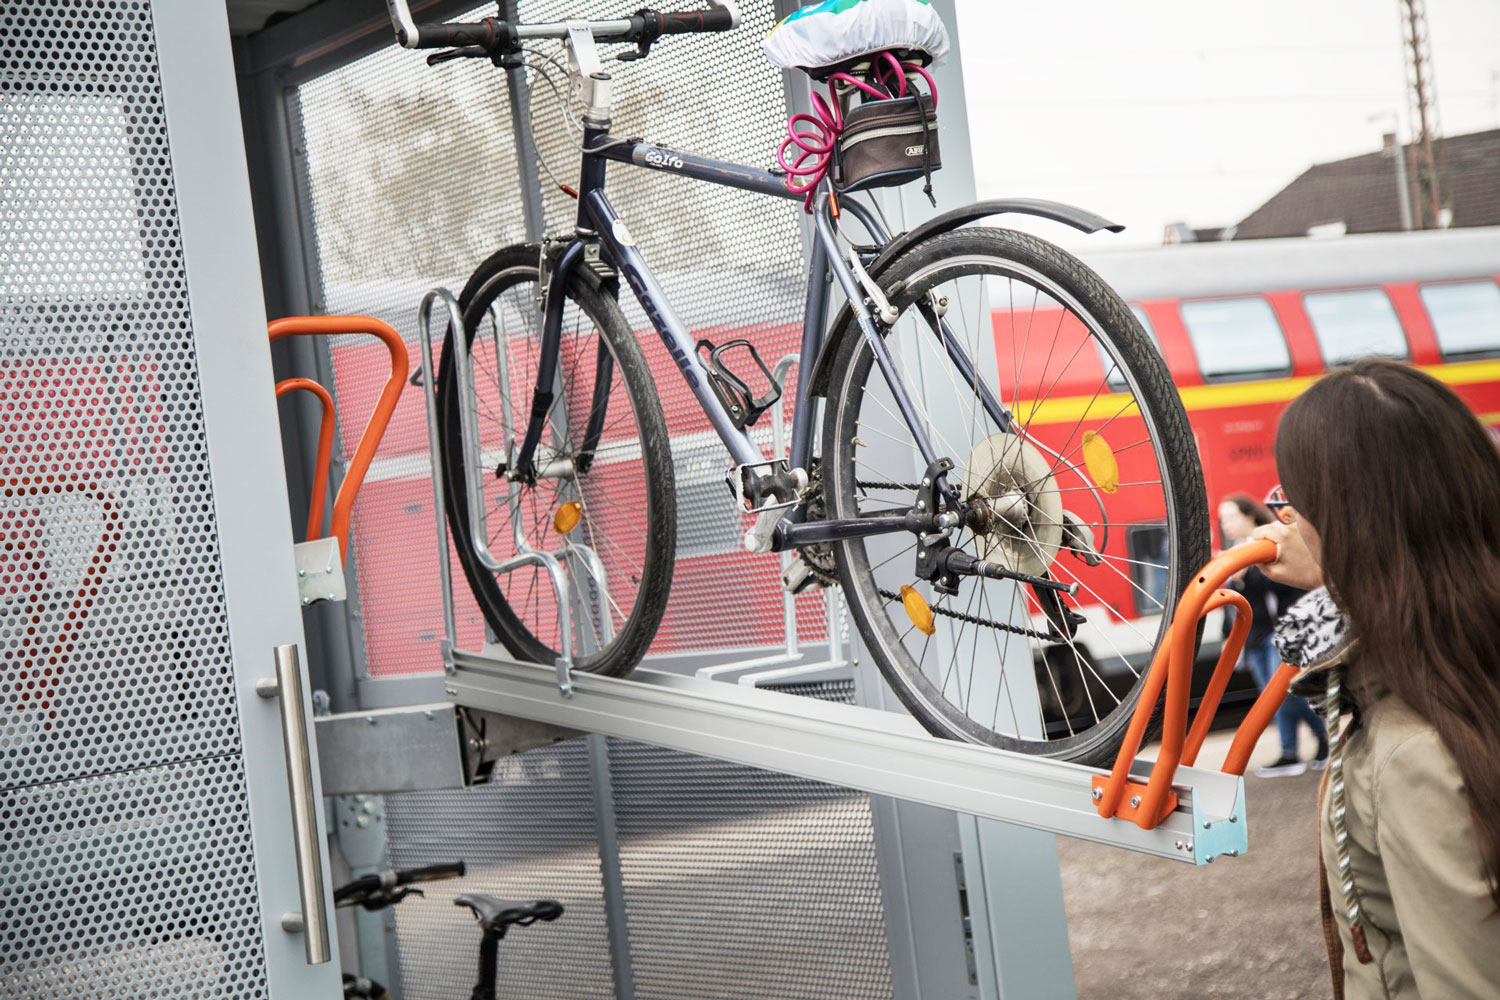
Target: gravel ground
{"points": [[1145, 929]]}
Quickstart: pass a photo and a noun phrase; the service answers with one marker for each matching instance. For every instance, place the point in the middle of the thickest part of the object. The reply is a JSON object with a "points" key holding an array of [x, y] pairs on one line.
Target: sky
{"points": [[1160, 111]]}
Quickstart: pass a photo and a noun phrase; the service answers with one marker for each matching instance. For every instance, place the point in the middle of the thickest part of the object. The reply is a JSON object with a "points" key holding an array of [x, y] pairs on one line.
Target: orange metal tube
{"points": [[1228, 657], [390, 395], [1172, 668], [325, 449], [1261, 714]]}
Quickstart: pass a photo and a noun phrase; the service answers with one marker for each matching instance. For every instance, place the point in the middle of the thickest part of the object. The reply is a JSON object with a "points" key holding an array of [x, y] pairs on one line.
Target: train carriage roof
{"points": [[1238, 266]]}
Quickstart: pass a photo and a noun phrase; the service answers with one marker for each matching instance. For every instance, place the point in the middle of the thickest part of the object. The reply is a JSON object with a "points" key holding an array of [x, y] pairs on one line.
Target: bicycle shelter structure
{"points": [[748, 815]]}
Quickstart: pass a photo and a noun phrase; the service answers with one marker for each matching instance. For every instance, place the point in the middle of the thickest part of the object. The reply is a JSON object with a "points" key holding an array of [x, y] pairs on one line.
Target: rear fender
{"points": [[842, 326]]}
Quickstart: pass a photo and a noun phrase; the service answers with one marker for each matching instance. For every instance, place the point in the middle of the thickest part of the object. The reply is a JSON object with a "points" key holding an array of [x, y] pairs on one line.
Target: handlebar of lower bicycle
{"points": [[395, 878], [1172, 668], [497, 36]]}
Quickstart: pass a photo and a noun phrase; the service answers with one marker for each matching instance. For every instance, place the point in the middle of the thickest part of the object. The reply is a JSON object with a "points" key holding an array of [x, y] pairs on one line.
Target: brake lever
{"points": [[466, 52], [388, 897]]}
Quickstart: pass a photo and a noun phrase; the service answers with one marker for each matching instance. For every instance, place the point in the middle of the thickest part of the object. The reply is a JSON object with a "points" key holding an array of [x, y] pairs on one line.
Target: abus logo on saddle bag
{"points": [[661, 158], [915, 150]]}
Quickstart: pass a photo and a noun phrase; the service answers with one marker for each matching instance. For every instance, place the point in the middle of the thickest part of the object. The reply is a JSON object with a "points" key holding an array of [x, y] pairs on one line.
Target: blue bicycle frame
{"points": [[598, 221]]}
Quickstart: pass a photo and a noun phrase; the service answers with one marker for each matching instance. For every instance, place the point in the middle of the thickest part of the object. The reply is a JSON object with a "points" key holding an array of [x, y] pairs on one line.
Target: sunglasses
{"points": [[1279, 506]]}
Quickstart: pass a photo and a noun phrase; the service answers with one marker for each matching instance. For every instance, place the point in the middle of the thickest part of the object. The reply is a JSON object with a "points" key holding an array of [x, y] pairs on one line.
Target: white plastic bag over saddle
{"points": [[836, 31]]}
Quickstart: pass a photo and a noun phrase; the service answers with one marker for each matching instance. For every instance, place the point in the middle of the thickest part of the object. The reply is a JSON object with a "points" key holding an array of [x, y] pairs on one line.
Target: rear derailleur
{"points": [[942, 564]]}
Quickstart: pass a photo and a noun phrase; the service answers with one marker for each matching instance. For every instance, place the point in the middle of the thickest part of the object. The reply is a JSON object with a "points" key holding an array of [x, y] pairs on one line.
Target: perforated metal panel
{"points": [[412, 181], [126, 865], [527, 835], [139, 884], [742, 884]]}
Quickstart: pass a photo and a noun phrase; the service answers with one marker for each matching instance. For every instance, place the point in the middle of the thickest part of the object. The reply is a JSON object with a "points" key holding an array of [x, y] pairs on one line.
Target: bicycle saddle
{"points": [[494, 913]]}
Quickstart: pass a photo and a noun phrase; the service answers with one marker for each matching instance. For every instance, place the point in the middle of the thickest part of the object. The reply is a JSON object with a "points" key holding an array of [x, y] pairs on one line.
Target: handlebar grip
{"points": [[488, 34], [430, 873], [684, 21]]}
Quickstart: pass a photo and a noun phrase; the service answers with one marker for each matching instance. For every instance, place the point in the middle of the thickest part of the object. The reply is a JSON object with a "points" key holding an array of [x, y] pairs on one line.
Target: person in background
{"points": [[1392, 493], [1239, 516]]}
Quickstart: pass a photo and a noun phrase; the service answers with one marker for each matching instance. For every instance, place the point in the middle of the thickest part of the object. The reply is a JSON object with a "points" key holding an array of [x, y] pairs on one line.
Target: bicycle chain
{"points": [[866, 484], [1029, 633]]}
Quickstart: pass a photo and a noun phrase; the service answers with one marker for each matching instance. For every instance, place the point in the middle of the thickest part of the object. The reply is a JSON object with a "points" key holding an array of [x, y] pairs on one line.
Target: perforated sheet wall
{"points": [[742, 884], [412, 181], [126, 865], [529, 834]]}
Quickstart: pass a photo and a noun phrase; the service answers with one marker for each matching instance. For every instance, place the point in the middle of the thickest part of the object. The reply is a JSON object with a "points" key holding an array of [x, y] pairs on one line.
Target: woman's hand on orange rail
{"points": [[1294, 565]]}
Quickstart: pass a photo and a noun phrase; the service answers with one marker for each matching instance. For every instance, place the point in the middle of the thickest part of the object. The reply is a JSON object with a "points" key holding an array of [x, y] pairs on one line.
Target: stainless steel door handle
{"points": [[307, 837]]}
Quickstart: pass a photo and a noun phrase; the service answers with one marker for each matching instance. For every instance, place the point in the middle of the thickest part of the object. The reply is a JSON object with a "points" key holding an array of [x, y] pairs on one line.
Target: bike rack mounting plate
{"points": [[878, 752]]}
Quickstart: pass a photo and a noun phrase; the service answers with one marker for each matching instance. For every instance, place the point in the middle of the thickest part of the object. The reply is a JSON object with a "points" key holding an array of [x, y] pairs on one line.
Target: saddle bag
{"points": [[887, 143]]}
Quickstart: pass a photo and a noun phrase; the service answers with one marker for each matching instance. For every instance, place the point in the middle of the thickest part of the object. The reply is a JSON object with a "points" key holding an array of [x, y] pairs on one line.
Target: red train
{"points": [[1244, 327]]}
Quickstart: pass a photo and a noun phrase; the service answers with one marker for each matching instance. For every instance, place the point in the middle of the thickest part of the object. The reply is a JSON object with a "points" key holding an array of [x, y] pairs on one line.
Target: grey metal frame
{"points": [[218, 238]]}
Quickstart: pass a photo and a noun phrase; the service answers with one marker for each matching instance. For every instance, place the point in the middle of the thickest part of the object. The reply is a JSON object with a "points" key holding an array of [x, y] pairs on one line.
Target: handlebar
{"points": [[385, 888], [497, 36]]}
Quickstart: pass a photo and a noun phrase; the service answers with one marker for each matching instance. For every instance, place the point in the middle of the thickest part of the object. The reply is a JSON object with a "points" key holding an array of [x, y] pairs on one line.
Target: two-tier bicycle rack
{"points": [[1164, 806]]}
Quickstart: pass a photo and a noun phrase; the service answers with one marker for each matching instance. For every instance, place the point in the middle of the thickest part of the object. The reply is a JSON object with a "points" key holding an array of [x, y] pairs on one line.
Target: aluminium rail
{"points": [[1173, 811], [882, 753]]}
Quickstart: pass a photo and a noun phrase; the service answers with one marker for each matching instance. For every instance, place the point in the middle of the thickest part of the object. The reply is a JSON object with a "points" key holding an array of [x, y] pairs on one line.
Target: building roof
{"points": [[1361, 192]]}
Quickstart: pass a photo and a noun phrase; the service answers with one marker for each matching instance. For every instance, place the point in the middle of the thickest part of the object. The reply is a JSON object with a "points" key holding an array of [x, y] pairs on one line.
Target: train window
{"points": [[1353, 325], [1148, 549], [1112, 375], [1465, 316], [1236, 338]]}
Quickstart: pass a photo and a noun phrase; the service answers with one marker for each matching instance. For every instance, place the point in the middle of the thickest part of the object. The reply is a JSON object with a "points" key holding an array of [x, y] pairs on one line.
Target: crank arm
{"points": [[789, 535]]}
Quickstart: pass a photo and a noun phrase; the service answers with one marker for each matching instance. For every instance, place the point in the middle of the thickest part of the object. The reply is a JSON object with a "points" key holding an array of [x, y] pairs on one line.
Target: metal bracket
{"points": [[583, 54], [359, 821], [884, 311], [931, 546], [320, 571], [488, 736], [469, 436], [404, 749]]}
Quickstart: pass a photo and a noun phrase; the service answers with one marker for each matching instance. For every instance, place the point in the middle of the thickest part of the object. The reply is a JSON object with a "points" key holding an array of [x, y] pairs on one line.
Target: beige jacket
{"points": [[1430, 922]]}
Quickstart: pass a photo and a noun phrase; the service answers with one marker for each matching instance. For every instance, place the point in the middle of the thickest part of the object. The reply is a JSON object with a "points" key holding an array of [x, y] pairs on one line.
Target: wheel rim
{"points": [[1108, 653], [588, 522]]}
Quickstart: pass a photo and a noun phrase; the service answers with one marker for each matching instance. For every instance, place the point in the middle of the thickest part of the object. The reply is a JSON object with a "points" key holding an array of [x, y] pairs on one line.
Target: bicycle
{"points": [[495, 916], [921, 515]]}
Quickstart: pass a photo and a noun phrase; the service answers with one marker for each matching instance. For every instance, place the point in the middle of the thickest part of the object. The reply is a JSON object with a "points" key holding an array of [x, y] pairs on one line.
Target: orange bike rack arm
{"points": [[1172, 668], [390, 394], [325, 449]]}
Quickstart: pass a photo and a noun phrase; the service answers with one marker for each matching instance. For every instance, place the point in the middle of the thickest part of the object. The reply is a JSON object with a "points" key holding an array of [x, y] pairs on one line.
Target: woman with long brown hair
{"points": [[1394, 487]]}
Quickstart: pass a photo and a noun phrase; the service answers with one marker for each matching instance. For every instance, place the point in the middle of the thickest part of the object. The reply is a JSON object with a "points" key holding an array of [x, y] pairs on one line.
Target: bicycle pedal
{"points": [[734, 393], [765, 485], [800, 576]]}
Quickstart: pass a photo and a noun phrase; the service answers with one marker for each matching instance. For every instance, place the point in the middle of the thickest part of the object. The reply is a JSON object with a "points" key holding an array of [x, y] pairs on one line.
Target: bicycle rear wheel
{"points": [[601, 507], [1082, 454]]}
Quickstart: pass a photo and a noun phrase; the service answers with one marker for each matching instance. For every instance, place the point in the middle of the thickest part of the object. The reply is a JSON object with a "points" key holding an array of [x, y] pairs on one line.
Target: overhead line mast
{"points": [[1427, 161]]}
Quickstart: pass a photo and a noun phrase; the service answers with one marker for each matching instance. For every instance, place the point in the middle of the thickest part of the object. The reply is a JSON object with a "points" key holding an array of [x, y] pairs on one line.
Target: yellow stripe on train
{"points": [[1071, 409]]}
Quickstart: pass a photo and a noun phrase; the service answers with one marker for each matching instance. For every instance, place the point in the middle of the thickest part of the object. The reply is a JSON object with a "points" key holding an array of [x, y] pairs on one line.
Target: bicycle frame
{"points": [[598, 220]]}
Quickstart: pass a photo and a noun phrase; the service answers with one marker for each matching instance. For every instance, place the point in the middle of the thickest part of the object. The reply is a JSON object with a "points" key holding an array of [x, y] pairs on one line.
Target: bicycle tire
{"points": [[501, 273], [1182, 486]]}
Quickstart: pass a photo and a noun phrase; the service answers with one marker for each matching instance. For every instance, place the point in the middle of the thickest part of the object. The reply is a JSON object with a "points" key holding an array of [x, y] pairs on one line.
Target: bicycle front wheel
{"points": [[1074, 465], [596, 508]]}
